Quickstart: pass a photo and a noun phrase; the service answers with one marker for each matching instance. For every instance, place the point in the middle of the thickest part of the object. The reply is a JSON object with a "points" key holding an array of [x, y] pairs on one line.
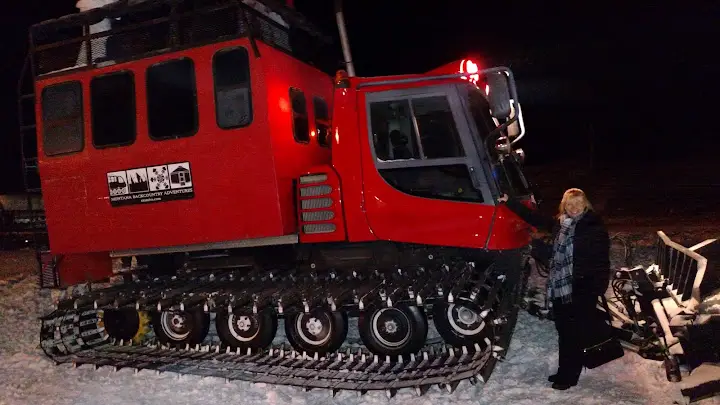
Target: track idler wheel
{"points": [[246, 330], [393, 331], [319, 331], [461, 323], [180, 328], [126, 324]]}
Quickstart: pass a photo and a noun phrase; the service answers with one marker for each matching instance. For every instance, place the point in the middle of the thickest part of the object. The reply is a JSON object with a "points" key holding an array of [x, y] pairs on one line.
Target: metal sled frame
{"points": [[680, 271]]}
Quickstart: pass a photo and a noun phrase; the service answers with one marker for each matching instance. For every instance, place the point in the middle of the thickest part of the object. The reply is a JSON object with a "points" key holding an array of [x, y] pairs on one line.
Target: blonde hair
{"points": [[572, 193]]}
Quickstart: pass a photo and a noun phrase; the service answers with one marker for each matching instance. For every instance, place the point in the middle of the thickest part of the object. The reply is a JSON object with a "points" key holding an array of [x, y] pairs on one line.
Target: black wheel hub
{"points": [[176, 325], [243, 327], [465, 320], [391, 327], [314, 328]]}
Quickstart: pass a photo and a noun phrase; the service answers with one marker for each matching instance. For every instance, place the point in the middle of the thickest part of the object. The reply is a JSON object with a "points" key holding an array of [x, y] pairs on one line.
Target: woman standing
{"points": [[579, 266]]}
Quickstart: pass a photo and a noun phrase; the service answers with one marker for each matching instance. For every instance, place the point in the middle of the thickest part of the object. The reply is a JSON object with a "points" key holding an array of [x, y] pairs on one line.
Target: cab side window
{"points": [[419, 150], [233, 100], [62, 118], [301, 125], [172, 99], [394, 134], [322, 121], [417, 128], [112, 97]]}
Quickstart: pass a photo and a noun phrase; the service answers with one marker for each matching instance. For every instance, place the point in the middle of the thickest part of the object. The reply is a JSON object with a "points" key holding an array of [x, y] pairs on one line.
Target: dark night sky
{"points": [[638, 78]]}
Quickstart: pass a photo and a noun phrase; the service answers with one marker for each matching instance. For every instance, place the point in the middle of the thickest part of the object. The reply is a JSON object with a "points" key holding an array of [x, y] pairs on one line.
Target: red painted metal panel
{"points": [[79, 268], [347, 160], [292, 159], [242, 177], [508, 231]]}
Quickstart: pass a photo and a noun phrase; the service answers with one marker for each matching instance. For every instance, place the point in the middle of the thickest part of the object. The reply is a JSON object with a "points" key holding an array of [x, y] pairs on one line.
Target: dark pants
{"points": [[575, 322]]}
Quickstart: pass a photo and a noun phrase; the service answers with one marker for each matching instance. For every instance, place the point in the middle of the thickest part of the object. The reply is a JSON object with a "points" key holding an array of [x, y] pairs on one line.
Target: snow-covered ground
{"points": [[27, 377]]}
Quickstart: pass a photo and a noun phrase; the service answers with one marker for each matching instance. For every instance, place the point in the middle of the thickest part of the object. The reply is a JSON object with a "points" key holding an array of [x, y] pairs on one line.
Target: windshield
{"points": [[506, 169], [480, 110], [509, 177]]}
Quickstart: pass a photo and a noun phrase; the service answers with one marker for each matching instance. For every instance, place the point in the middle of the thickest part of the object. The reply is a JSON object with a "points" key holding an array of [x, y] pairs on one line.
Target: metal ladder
{"points": [[29, 153], [28, 129]]}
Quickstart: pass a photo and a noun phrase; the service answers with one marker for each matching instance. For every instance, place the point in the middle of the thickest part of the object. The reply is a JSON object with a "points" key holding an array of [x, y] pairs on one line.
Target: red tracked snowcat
{"points": [[274, 223]]}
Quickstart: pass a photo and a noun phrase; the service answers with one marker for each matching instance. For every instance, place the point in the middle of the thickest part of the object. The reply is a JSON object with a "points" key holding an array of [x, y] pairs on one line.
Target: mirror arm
{"points": [[502, 127], [518, 117], [494, 134]]}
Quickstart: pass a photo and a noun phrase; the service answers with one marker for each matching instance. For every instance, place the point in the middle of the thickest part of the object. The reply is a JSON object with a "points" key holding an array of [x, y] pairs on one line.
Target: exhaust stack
{"points": [[343, 38]]}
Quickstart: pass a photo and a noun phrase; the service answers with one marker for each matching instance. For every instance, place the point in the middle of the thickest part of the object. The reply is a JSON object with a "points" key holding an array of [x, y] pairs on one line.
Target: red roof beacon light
{"points": [[470, 67]]}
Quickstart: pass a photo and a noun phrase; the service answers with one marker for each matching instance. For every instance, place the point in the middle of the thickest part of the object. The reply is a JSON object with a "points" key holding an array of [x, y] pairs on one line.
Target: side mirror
{"points": [[499, 95]]}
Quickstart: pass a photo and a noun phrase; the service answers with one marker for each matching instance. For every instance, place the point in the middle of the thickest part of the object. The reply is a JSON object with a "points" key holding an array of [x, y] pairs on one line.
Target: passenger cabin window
{"points": [[172, 99], [301, 125], [419, 128], [233, 103], [62, 116], [322, 121], [419, 149], [113, 109]]}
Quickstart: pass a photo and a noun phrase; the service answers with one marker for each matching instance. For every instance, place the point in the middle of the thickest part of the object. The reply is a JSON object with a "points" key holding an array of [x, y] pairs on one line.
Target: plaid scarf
{"points": [[561, 265]]}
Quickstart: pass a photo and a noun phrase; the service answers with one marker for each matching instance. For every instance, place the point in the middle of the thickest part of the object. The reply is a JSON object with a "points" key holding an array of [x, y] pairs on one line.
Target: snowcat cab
{"points": [[192, 141]]}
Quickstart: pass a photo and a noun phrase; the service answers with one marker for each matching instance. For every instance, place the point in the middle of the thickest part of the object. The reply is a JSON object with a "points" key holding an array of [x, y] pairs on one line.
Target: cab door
{"points": [[426, 183]]}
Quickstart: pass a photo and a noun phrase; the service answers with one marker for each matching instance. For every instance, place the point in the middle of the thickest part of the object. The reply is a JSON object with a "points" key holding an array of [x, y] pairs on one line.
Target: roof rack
{"points": [[134, 29]]}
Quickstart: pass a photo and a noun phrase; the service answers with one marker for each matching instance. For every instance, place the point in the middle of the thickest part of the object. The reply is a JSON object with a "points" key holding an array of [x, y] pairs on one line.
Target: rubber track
{"points": [[72, 333], [340, 371]]}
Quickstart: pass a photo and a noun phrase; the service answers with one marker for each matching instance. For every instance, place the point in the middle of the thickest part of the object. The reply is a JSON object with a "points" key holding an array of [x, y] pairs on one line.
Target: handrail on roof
{"points": [[66, 44], [122, 7]]}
